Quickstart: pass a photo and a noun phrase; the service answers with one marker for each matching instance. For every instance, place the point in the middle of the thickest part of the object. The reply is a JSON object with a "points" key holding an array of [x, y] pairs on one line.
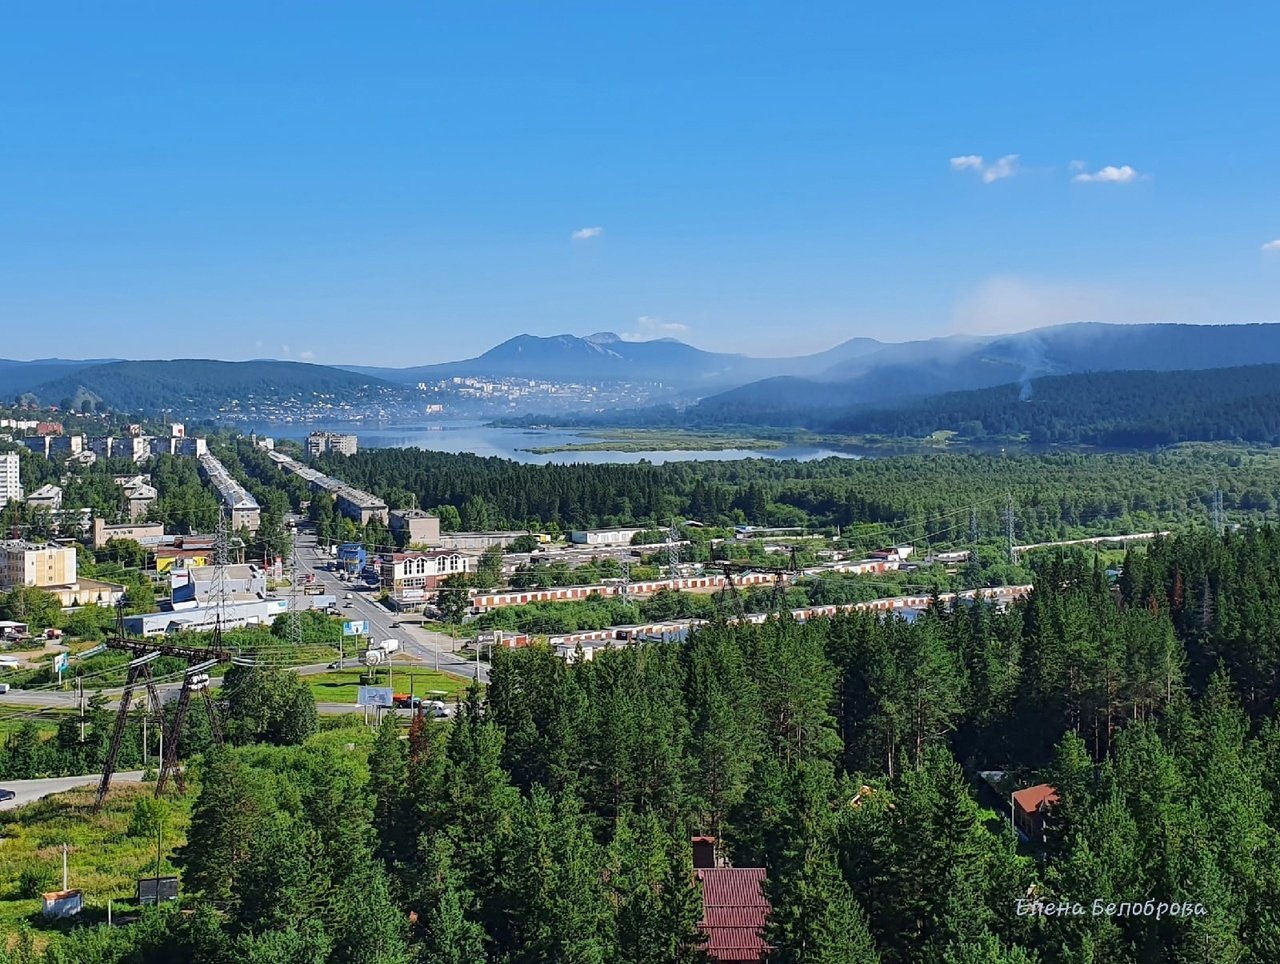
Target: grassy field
{"points": [[104, 861], [660, 440], [340, 686]]}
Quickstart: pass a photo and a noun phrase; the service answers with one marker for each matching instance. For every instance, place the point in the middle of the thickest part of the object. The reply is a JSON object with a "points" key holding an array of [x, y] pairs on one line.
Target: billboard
{"points": [[151, 888], [60, 663], [355, 627], [373, 696]]}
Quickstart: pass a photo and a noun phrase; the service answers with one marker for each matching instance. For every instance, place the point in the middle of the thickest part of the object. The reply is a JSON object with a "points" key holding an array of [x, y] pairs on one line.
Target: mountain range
{"points": [[721, 387]]}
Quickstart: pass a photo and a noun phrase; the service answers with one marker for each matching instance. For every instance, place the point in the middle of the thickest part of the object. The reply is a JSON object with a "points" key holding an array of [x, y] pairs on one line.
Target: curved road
{"points": [[28, 791]]}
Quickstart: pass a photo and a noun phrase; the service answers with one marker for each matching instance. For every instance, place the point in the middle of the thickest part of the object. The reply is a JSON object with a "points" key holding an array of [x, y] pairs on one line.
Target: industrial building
{"points": [[233, 615], [479, 541], [320, 442], [143, 533], [612, 536], [10, 478], [242, 507], [414, 527], [204, 585]]}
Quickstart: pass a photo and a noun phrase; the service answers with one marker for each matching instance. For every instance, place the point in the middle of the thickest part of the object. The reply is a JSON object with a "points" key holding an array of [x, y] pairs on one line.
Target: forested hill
{"points": [[1124, 409], [198, 386]]}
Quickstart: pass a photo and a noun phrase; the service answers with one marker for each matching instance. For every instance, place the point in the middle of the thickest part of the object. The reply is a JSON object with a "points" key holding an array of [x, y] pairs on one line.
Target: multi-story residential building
{"points": [[35, 564], [240, 504], [46, 497], [321, 442], [10, 478]]}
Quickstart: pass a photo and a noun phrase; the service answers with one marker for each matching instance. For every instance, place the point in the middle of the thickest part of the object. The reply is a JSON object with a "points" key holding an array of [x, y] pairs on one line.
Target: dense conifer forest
{"points": [[551, 820]]}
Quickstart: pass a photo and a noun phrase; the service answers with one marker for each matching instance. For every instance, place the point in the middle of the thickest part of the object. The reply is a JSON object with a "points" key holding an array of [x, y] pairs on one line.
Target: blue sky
{"points": [[398, 183]]}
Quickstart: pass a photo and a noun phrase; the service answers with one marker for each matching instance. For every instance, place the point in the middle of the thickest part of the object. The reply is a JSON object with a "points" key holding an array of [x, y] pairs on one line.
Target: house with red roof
{"points": [[1029, 807], [734, 907]]}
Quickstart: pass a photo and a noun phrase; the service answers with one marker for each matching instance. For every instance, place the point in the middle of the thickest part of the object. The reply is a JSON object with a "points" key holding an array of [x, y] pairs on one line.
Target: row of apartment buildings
{"points": [[242, 507], [357, 505]]}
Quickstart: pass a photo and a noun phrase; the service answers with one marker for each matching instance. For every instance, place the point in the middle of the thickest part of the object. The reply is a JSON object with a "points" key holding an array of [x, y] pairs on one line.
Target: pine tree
{"points": [[814, 917], [388, 776]]}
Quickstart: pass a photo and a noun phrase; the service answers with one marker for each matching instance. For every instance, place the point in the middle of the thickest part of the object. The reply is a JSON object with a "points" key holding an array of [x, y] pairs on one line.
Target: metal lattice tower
{"points": [[194, 679], [673, 550], [973, 527], [295, 615]]}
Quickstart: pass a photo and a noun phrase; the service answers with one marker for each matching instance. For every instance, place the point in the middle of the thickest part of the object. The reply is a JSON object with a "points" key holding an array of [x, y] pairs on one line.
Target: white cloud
{"points": [[307, 355], [1271, 246], [1077, 166], [586, 234], [284, 350], [1008, 303], [1109, 175], [648, 328], [998, 169]]}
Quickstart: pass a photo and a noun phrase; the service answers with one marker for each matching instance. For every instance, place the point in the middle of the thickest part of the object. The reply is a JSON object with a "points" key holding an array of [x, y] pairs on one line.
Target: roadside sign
{"points": [[486, 639], [355, 627], [151, 890], [60, 662], [373, 696]]}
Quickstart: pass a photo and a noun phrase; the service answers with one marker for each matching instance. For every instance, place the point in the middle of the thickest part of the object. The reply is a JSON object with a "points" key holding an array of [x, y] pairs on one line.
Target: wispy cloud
{"points": [[1124, 174], [997, 170], [307, 355], [586, 234], [648, 328], [1272, 246]]}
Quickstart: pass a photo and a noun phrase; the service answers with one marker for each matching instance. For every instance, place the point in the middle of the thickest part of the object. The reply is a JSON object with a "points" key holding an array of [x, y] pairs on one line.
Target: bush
{"points": [[34, 881]]}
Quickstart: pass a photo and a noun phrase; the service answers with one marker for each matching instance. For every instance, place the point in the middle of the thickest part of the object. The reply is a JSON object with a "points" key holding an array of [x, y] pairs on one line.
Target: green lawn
{"points": [[340, 686], [104, 861]]}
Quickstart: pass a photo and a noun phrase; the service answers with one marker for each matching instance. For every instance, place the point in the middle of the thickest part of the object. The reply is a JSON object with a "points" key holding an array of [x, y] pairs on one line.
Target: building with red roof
{"points": [[734, 907], [1029, 807]]}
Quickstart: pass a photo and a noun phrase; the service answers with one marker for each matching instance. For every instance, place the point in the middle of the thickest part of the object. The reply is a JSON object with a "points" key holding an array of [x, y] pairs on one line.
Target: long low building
{"points": [[239, 503], [714, 582], [235, 615], [356, 504], [566, 645]]}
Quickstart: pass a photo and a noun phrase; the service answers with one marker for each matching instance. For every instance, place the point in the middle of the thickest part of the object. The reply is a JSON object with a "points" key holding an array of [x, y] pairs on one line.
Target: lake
{"points": [[476, 437]]}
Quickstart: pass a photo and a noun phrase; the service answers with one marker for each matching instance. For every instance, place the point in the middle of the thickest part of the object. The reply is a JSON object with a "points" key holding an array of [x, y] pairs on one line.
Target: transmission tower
{"points": [[973, 527], [295, 615], [1219, 522], [626, 581], [673, 550], [195, 679]]}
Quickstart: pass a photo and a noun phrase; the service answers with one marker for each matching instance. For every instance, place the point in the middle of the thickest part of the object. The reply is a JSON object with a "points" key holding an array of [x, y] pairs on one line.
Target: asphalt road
{"points": [[432, 649], [29, 791]]}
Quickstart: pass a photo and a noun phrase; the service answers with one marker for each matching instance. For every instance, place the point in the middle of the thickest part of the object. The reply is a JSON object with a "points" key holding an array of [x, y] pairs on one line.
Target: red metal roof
{"points": [[1033, 798], [734, 912]]}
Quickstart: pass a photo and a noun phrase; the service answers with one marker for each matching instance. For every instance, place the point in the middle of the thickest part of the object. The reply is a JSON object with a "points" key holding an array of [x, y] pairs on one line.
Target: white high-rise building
{"points": [[10, 478]]}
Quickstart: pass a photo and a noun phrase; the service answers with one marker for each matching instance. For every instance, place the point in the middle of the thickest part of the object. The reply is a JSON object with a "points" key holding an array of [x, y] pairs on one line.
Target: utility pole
{"points": [[80, 699], [64, 866]]}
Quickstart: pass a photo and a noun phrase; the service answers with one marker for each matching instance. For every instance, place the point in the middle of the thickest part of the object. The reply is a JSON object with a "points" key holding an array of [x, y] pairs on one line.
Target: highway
{"points": [[435, 650], [29, 791]]}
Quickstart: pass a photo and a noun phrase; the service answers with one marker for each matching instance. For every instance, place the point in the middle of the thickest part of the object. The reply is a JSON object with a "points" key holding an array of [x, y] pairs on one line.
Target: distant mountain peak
{"points": [[603, 338]]}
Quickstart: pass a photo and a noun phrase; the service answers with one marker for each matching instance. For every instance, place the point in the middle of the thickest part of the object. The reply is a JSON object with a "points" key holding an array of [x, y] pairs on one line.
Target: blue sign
{"points": [[355, 627], [60, 663]]}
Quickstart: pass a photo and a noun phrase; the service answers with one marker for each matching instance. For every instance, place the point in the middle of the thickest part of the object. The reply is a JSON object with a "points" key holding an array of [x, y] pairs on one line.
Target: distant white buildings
{"points": [[613, 536]]}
